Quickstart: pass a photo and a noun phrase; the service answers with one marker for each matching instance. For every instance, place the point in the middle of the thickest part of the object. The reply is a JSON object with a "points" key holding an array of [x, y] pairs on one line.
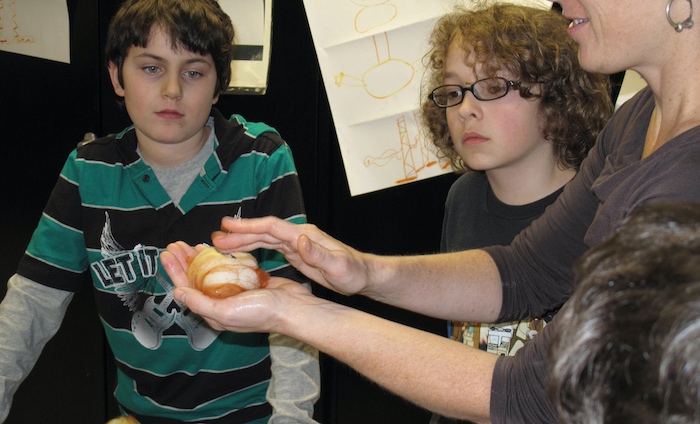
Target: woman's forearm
{"points": [[460, 286], [414, 364]]}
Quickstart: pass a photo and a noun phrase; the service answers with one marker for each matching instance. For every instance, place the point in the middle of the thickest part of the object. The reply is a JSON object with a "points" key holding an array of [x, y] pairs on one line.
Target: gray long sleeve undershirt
{"points": [[30, 315]]}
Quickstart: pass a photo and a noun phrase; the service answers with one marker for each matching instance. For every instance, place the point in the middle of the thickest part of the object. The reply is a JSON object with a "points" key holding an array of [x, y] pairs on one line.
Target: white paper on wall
{"points": [[38, 28], [252, 23]]}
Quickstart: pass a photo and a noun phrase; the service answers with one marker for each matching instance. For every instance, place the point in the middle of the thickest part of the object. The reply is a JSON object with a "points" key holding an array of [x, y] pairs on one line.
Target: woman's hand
{"points": [[317, 255]]}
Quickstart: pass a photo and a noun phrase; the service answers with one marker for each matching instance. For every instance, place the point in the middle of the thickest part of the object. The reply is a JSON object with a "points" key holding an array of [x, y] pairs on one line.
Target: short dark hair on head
{"points": [[200, 26], [531, 44], [627, 341]]}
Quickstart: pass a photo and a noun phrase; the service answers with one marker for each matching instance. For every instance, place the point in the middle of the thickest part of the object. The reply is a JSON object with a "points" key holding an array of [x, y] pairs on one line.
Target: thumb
{"points": [[198, 303], [189, 297], [310, 252]]}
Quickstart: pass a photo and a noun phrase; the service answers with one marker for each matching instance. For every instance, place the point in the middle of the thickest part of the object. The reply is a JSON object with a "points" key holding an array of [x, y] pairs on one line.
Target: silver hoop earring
{"points": [[680, 26]]}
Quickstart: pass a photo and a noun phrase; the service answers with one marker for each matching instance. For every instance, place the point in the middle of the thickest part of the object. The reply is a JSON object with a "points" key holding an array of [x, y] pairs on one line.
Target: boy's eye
{"points": [[453, 94], [496, 89], [150, 69], [448, 93], [193, 74]]}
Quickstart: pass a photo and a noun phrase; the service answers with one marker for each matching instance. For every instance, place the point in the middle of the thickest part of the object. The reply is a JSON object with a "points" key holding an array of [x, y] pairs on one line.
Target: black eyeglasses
{"points": [[485, 89]]}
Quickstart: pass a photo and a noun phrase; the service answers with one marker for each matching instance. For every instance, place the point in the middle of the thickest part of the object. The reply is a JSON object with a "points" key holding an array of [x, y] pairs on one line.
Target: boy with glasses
{"points": [[516, 115]]}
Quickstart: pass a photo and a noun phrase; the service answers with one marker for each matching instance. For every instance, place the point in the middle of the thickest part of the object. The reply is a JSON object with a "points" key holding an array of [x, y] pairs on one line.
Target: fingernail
{"points": [[180, 295], [308, 245]]}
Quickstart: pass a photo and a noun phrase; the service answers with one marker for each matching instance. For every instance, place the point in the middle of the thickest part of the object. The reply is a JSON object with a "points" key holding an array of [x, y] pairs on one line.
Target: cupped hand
{"points": [[261, 310], [317, 255]]}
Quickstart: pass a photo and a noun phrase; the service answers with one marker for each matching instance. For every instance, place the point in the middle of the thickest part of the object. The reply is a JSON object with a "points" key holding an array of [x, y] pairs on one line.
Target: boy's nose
{"points": [[470, 106], [172, 88]]}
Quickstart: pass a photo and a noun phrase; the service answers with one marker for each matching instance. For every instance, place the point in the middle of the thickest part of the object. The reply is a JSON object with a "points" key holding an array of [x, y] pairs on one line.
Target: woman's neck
{"points": [[676, 89]]}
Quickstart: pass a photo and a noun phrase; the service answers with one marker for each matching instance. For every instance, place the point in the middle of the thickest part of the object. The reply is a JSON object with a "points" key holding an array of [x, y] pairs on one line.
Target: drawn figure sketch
{"points": [[38, 28], [10, 28], [370, 53]]}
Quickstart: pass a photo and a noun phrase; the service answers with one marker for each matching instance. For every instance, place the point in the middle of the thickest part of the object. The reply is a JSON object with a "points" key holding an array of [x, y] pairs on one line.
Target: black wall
{"points": [[46, 107]]}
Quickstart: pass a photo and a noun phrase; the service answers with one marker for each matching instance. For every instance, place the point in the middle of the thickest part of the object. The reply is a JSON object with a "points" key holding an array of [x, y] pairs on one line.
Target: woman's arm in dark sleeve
{"points": [[536, 269]]}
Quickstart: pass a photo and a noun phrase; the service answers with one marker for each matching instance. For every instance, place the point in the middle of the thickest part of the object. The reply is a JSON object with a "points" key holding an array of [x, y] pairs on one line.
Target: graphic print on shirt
{"points": [[501, 339], [130, 273]]}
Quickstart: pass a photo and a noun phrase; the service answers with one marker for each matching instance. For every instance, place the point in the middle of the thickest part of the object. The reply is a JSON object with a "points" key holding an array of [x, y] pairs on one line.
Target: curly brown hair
{"points": [[532, 45]]}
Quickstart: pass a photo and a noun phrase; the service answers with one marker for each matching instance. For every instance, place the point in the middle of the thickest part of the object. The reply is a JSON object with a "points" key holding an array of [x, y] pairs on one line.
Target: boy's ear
{"points": [[114, 77]]}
